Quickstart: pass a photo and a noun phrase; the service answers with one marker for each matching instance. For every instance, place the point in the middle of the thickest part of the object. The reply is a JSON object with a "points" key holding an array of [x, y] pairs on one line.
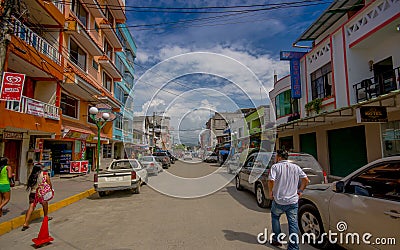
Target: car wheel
{"points": [[102, 193], [237, 183], [260, 197], [310, 222]]}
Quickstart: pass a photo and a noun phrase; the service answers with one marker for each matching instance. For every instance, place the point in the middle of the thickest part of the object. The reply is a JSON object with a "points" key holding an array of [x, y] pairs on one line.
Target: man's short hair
{"points": [[282, 153]]}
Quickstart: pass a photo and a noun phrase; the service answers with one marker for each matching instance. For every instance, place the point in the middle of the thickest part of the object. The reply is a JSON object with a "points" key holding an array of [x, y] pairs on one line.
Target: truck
{"points": [[125, 174]]}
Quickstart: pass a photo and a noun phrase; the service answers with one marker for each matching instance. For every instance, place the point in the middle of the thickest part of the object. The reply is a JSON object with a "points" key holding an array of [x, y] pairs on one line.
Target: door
{"points": [[286, 143], [347, 150], [308, 144], [90, 157], [384, 76], [12, 151], [370, 204]]}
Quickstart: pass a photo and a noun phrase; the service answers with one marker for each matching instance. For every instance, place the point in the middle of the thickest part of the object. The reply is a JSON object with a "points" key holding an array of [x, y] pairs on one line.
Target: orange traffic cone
{"points": [[43, 236]]}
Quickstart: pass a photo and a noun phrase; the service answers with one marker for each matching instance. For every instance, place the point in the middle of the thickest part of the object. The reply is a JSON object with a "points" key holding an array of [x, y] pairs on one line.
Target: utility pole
{"points": [[7, 9], [154, 132]]}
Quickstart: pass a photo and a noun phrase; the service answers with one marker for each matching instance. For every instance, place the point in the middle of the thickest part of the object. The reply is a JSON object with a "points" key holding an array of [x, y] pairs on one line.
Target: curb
{"points": [[14, 223]]}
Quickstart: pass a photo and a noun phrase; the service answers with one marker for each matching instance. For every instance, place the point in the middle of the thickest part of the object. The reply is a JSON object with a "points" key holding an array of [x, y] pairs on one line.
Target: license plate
{"points": [[114, 178]]}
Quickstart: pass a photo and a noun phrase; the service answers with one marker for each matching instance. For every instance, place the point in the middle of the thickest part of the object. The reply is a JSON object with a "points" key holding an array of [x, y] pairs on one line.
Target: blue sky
{"points": [[246, 42]]}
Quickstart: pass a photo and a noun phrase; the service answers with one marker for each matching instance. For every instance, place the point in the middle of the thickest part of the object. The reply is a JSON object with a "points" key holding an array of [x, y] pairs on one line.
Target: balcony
{"points": [[41, 45], [109, 66], [74, 28], [95, 9], [378, 85], [118, 10], [111, 34], [377, 14], [34, 107]]}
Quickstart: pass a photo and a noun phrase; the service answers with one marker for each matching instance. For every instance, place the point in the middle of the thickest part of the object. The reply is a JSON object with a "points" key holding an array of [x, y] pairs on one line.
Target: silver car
{"points": [[151, 164], [363, 207]]}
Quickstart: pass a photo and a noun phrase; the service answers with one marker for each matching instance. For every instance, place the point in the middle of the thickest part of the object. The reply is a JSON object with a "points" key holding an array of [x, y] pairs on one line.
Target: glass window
{"points": [[110, 17], [391, 138], [107, 151], [107, 81], [95, 65], [282, 104], [79, 11], [69, 106], [118, 122], [108, 50], [77, 55], [96, 27], [381, 181], [321, 82]]}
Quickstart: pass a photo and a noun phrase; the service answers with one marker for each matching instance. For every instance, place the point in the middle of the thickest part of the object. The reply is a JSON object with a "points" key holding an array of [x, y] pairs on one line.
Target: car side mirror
{"points": [[338, 186]]}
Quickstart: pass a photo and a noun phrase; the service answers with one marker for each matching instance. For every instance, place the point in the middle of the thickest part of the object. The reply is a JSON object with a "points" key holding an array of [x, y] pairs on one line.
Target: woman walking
{"points": [[5, 176], [36, 178]]}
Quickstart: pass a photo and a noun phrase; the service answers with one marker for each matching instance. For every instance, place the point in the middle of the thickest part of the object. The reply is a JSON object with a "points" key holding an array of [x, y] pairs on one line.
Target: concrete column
{"points": [[322, 149], [23, 166], [373, 141]]}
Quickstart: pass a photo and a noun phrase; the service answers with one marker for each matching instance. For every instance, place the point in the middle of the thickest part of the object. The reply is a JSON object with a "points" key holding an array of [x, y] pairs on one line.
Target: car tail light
{"points": [[133, 175], [325, 177], [96, 178], [151, 164]]}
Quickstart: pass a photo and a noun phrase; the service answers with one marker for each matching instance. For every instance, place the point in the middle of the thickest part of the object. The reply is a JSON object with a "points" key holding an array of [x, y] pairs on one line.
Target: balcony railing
{"points": [[378, 85], [34, 107], [59, 5], [40, 44]]}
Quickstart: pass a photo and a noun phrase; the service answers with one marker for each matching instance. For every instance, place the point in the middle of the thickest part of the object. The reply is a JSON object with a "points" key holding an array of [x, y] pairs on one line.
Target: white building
{"points": [[353, 66]]}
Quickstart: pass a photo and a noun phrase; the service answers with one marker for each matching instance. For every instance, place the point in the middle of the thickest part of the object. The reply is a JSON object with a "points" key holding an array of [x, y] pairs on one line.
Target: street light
{"points": [[100, 123]]}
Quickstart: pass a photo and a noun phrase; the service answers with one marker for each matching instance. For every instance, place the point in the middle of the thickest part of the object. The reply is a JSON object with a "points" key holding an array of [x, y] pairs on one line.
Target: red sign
{"points": [[79, 166], [12, 86]]}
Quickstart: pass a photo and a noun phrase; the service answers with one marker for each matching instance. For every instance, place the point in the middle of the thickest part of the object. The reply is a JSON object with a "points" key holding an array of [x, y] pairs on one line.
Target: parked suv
{"points": [[253, 175], [164, 159]]}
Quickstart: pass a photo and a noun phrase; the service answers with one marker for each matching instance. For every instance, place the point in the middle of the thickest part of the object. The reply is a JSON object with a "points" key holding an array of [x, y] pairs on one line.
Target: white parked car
{"points": [[365, 203], [151, 164], [121, 175], [187, 156]]}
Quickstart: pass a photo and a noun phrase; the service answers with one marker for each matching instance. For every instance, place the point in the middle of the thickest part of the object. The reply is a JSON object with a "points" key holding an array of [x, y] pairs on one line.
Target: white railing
{"points": [[59, 5], [374, 15], [40, 44], [34, 107]]}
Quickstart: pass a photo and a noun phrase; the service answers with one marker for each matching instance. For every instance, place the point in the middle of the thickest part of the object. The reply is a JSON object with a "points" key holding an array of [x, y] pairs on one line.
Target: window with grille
{"points": [[77, 55], [69, 105], [321, 82]]}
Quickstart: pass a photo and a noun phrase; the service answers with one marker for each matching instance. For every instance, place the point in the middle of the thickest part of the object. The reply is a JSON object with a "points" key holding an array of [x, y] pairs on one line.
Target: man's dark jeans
{"points": [[291, 214]]}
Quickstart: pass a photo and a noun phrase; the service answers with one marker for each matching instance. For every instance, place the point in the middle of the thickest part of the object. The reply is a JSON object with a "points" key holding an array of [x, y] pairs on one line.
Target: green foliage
{"points": [[315, 104]]}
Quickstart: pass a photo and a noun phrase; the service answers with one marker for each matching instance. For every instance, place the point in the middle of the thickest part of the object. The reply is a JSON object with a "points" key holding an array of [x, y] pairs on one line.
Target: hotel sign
{"points": [[371, 114], [294, 58]]}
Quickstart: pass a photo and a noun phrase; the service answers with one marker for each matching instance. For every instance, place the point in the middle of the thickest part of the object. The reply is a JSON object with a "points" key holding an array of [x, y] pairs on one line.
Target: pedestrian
{"points": [[36, 178], [5, 189], [284, 189]]}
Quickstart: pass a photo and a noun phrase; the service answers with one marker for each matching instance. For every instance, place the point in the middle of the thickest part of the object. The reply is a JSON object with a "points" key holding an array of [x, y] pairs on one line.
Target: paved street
{"points": [[227, 219]]}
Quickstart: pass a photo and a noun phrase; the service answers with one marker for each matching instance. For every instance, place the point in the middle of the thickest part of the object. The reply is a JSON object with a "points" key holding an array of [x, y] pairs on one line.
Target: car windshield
{"points": [[305, 161], [147, 158], [159, 154], [123, 165]]}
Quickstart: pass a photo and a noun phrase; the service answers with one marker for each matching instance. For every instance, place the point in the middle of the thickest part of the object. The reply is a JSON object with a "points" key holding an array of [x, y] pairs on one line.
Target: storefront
{"points": [[12, 143]]}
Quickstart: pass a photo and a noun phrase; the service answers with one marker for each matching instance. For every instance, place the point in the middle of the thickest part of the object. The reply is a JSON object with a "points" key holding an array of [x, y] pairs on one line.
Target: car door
{"points": [[246, 171], [370, 204]]}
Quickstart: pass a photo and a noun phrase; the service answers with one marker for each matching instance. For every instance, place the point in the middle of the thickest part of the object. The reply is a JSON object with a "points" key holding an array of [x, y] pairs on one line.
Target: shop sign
{"points": [[13, 135], [12, 86], [35, 108], [372, 114], [79, 167], [76, 135], [294, 58]]}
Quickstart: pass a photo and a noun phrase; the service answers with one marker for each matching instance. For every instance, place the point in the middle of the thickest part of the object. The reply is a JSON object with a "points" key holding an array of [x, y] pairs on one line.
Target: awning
{"points": [[342, 114], [330, 16], [74, 130]]}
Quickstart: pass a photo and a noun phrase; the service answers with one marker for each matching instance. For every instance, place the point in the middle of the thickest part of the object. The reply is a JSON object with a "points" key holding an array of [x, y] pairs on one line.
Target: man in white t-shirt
{"points": [[283, 184]]}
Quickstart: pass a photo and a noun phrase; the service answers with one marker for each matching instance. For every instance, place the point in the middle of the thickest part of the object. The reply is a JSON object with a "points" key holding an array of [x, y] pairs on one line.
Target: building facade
{"points": [[352, 70]]}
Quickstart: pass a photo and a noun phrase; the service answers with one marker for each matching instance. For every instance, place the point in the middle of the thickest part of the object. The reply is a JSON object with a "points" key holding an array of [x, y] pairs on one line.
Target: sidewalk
{"points": [[67, 191]]}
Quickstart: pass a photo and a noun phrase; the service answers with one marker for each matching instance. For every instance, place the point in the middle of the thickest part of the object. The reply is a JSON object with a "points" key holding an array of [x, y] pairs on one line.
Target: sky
{"points": [[190, 65]]}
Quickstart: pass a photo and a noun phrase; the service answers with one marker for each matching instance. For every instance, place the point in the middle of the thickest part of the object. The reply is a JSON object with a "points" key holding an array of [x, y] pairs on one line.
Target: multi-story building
{"points": [[68, 56], [349, 104]]}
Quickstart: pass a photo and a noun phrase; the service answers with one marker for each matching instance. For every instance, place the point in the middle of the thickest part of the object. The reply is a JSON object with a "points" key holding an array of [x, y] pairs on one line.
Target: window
{"points": [[120, 94], [95, 65], [77, 55], [128, 79], [391, 138], [282, 104], [108, 50], [118, 122], [110, 17], [321, 82], [381, 181], [69, 106], [79, 11], [96, 27], [107, 151], [107, 81]]}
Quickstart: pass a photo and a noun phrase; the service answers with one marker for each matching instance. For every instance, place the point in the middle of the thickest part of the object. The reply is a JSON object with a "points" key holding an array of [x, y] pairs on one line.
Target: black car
{"points": [[164, 159]]}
